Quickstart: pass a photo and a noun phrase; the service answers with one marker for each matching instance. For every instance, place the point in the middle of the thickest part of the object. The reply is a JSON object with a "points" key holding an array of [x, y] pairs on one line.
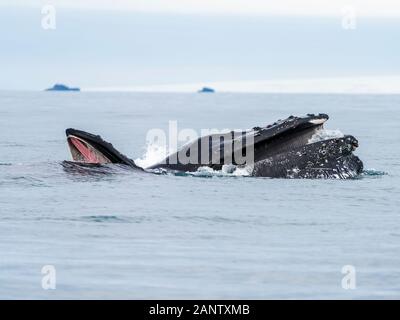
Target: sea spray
{"points": [[325, 134]]}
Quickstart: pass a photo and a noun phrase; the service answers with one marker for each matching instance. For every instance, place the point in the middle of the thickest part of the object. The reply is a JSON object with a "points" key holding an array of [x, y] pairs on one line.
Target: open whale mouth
{"points": [[83, 151], [92, 149]]}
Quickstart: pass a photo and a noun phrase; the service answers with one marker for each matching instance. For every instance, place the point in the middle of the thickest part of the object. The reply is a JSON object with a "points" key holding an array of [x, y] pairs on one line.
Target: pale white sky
{"points": [[260, 45], [259, 7]]}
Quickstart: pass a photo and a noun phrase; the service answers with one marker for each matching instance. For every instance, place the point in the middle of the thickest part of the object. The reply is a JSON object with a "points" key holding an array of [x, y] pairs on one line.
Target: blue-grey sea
{"points": [[127, 234]]}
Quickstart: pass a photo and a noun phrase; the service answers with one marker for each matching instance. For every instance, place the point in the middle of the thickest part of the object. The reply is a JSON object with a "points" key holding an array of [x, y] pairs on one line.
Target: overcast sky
{"points": [[259, 7], [155, 42]]}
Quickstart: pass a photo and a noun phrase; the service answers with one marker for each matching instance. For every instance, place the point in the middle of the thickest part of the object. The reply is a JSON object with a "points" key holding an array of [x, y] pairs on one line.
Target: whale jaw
{"points": [[88, 148], [83, 151]]}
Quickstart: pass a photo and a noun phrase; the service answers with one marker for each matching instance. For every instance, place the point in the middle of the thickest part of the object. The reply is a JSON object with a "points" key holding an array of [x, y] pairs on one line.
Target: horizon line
{"points": [[387, 84]]}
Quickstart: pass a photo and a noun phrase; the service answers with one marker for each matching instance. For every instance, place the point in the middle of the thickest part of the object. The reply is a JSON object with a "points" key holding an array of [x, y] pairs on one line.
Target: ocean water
{"points": [[126, 234]]}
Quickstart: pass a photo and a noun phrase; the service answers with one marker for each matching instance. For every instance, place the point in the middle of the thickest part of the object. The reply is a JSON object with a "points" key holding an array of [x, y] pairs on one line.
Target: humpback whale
{"points": [[283, 149]]}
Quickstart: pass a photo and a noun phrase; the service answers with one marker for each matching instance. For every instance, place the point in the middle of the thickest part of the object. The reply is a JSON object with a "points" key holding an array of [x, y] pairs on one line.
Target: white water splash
{"points": [[154, 153], [325, 134], [242, 171], [227, 170]]}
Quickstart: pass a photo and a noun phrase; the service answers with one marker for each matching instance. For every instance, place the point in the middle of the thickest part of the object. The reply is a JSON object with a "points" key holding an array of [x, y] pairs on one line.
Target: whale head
{"points": [[89, 148]]}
